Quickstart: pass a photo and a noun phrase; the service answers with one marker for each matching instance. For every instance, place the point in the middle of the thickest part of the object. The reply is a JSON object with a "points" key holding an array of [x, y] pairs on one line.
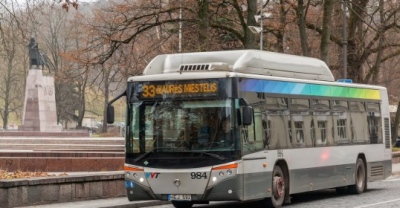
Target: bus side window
{"points": [[359, 122], [252, 135], [267, 132]]}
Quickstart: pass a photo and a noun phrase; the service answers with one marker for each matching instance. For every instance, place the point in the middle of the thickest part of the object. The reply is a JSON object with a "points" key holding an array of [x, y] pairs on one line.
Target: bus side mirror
{"points": [[247, 115], [110, 114]]}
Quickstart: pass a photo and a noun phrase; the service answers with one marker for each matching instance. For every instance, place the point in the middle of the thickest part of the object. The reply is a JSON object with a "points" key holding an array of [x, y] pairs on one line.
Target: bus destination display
{"points": [[180, 89]]}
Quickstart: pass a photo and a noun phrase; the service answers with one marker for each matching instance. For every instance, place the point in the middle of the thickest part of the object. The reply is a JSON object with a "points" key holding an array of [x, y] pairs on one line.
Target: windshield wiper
{"points": [[147, 153], [219, 157]]}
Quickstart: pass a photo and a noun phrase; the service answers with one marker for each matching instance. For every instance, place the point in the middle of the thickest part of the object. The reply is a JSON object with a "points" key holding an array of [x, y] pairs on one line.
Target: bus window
{"points": [[341, 122], [277, 129], [266, 126], [276, 103], [341, 127], [299, 104], [358, 121], [357, 106], [299, 131], [374, 123], [320, 105], [300, 121], [132, 145], [340, 105], [321, 127], [252, 135], [321, 115]]}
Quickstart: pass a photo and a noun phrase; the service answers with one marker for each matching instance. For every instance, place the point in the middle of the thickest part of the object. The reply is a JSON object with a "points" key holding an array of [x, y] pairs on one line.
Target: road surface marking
{"points": [[384, 202], [391, 180]]}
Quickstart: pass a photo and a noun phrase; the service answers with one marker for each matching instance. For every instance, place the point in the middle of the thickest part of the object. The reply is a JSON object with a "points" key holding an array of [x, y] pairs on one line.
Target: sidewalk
{"points": [[395, 168], [122, 202]]}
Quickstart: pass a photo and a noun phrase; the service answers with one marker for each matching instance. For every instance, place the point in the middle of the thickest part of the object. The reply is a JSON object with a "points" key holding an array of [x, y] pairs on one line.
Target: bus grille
{"points": [[376, 171], [387, 133], [204, 67], [194, 67]]}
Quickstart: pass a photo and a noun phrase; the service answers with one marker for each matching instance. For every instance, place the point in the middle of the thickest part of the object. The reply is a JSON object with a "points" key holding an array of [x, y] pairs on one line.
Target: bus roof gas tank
{"points": [[242, 61]]}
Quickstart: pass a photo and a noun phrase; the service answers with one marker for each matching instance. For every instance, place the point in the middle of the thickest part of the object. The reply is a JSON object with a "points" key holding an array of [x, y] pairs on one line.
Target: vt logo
{"points": [[151, 175]]}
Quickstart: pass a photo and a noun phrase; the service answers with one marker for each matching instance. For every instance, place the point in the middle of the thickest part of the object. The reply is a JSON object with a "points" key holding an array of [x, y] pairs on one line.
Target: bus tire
{"points": [[360, 176], [182, 204], [278, 192]]}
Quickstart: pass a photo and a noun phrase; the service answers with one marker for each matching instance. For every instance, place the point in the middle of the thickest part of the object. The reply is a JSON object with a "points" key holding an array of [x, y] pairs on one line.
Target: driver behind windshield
{"points": [[225, 133]]}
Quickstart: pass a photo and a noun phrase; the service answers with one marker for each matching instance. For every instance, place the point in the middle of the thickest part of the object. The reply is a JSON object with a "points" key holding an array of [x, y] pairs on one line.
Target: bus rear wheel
{"points": [[360, 178], [278, 191], [182, 204]]}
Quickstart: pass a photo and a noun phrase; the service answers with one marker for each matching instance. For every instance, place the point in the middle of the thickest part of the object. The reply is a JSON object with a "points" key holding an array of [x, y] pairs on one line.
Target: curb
{"points": [[138, 204]]}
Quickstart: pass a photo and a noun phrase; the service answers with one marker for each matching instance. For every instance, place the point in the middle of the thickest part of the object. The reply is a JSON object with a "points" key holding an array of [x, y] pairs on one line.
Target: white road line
{"points": [[384, 202], [391, 180]]}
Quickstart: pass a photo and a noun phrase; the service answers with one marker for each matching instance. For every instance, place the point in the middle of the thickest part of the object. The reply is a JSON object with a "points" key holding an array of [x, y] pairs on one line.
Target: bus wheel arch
{"points": [[360, 176], [280, 185]]}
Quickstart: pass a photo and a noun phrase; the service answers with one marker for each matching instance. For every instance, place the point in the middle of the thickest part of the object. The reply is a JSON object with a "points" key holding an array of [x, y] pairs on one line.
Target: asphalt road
{"points": [[382, 194]]}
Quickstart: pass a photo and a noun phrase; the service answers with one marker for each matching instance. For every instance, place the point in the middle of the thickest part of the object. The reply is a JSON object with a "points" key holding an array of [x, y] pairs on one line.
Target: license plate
{"points": [[179, 197]]}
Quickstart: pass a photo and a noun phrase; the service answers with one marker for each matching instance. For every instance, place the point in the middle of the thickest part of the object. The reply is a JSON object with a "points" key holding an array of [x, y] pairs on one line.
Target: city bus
{"points": [[289, 128]]}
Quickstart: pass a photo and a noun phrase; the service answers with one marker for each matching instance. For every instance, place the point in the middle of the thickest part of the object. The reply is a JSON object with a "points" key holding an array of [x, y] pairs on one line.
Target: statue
{"points": [[35, 57], [40, 113]]}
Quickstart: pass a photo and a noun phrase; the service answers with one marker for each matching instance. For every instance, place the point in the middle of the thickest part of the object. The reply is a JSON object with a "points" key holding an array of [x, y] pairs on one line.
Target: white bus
{"points": [[288, 128]]}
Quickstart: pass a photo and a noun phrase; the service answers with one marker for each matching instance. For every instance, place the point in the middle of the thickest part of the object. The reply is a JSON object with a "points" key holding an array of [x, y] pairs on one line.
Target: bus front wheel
{"points": [[360, 178], [278, 191]]}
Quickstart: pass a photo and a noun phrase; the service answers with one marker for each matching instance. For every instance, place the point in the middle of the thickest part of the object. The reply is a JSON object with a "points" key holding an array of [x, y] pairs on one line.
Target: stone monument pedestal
{"points": [[40, 112]]}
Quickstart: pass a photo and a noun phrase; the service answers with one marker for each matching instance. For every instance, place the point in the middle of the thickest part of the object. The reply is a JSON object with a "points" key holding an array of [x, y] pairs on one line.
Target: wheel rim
{"points": [[360, 176], [278, 187]]}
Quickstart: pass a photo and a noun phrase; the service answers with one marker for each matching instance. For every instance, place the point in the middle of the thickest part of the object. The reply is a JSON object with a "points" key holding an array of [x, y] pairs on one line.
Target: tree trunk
{"points": [[250, 38], [326, 31], [357, 10], [281, 32], [373, 74], [106, 73], [302, 28], [82, 110], [203, 25]]}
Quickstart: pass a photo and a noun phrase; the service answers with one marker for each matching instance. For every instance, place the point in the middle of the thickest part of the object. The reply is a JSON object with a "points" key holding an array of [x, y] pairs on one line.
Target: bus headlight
{"points": [[214, 179], [221, 174], [141, 180]]}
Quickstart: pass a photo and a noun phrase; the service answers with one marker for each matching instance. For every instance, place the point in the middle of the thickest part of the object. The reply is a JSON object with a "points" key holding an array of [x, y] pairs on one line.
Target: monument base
{"points": [[40, 112]]}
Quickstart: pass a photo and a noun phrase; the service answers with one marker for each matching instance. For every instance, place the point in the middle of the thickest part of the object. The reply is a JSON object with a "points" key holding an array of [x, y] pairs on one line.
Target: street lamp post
{"points": [[261, 25], [344, 40], [259, 30]]}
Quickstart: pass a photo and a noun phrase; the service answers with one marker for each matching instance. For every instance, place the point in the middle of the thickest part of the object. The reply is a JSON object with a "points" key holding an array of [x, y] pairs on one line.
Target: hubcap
{"points": [[279, 187], [360, 177]]}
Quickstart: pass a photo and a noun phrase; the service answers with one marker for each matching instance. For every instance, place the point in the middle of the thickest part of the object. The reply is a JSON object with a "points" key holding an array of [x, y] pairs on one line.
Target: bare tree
{"points": [[11, 84], [301, 15], [326, 30], [56, 32]]}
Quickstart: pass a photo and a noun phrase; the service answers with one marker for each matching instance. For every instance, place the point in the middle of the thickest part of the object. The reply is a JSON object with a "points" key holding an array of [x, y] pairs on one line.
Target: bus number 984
{"points": [[198, 175]]}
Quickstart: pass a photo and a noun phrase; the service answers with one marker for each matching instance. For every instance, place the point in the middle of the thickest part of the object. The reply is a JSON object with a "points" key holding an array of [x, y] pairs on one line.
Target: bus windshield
{"points": [[182, 129]]}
